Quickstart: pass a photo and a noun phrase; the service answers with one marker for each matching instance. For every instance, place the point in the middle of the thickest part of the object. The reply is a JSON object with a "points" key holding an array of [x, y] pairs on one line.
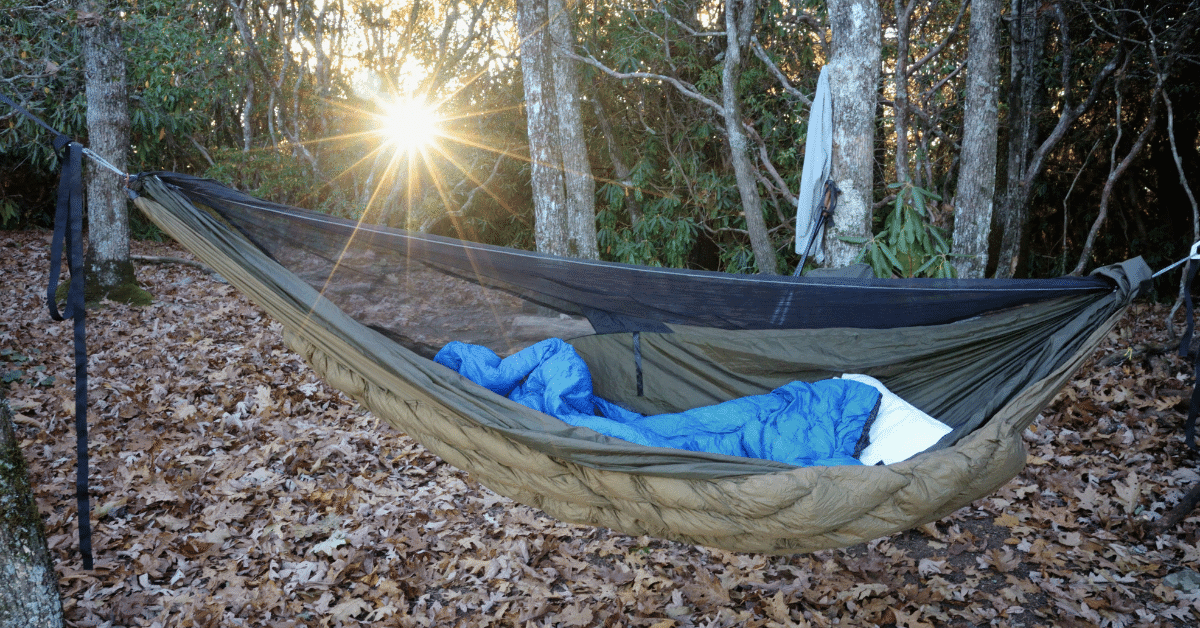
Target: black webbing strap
{"points": [[68, 240], [1185, 351], [68, 235], [637, 360], [25, 112]]}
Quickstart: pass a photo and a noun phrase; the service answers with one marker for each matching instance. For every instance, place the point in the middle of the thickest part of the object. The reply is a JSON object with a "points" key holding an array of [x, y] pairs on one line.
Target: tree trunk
{"points": [[248, 116], [1028, 34], [1114, 174], [563, 190], [739, 20], [109, 268], [900, 81], [576, 170], [620, 170], [977, 171], [853, 84], [29, 595]]}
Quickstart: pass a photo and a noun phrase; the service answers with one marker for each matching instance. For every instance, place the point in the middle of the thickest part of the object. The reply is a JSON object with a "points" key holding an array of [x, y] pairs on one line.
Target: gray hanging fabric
{"points": [[818, 156]]}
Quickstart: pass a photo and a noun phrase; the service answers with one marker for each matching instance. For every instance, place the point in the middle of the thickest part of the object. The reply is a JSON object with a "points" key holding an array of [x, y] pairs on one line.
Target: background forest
{"points": [[1095, 131]]}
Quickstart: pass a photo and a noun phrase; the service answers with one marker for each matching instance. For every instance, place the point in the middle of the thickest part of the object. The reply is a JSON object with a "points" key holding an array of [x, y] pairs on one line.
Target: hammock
{"points": [[367, 306]]}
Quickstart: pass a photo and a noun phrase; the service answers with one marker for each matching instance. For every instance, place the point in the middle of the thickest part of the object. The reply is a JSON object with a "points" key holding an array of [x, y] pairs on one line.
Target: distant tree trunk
{"points": [[853, 84], [622, 172], [900, 106], [739, 21], [1116, 169], [563, 189], [248, 116], [108, 135], [1028, 34], [29, 595], [977, 171]]}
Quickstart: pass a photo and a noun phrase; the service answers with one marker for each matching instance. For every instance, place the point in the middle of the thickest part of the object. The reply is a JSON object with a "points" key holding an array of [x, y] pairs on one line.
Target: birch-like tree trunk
{"points": [[977, 170], [853, 83], [576, 170], [739, 21], [29, 595], [563, 189], [109, 266]]}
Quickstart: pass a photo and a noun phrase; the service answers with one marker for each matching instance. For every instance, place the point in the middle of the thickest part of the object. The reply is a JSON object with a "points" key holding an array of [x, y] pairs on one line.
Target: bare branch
{"points": [[1068, 116], [946, 79], [1071, 189], [686, 28], [1161, 71], [486, 185], [687, 89], [900, 104], [276, 85], [780, 185], [936, 50], [1179, 167], [1170, 318], [203, 151], [1176, 515], [787, 86], [1114, 174], [1184, 29]]}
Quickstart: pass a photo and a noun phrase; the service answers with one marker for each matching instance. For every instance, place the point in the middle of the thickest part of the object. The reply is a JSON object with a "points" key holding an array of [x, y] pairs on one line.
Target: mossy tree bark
{"points": [[29, 595], [110, 273]]}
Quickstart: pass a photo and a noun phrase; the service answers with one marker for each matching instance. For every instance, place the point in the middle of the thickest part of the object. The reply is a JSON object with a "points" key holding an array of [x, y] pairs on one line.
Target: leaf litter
{"points": [[232, 487]]}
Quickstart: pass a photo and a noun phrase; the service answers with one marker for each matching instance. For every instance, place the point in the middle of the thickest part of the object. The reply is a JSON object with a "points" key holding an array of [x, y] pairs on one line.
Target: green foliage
{"points": [[197, 92], [279, 176], [140, 228], [177, 72], [39, 62], [907, 245], [678, 205], [13, 369], [10, 213], [664, 236]]}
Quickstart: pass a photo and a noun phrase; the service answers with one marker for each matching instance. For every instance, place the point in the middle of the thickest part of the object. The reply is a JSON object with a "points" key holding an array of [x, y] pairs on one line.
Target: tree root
{"points": [[1135, 352], [155, 259], [1176, 515]]}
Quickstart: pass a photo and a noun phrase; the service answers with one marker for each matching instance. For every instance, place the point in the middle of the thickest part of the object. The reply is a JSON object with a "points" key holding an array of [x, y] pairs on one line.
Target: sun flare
{"points": [[409, 125]]}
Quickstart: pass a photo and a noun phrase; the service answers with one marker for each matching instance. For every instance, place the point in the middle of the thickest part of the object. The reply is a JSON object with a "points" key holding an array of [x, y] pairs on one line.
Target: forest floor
{"points": [[231, 487]]}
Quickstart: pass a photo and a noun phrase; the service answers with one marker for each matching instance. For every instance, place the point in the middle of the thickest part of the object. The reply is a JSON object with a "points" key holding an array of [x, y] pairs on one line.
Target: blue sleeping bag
{"points": [[798, 423]]}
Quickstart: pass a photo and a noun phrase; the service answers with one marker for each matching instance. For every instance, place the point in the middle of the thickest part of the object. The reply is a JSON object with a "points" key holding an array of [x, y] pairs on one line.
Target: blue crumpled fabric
{"points": [[799, 423]]}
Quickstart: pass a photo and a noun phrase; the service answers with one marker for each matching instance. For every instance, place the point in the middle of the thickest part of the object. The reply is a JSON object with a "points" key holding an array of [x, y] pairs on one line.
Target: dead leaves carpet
{"points": [[231, 487]]}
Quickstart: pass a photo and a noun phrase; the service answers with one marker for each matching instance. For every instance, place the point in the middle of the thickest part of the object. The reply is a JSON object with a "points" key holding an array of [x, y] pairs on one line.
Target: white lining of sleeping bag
{"points": [[900, 430]]}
